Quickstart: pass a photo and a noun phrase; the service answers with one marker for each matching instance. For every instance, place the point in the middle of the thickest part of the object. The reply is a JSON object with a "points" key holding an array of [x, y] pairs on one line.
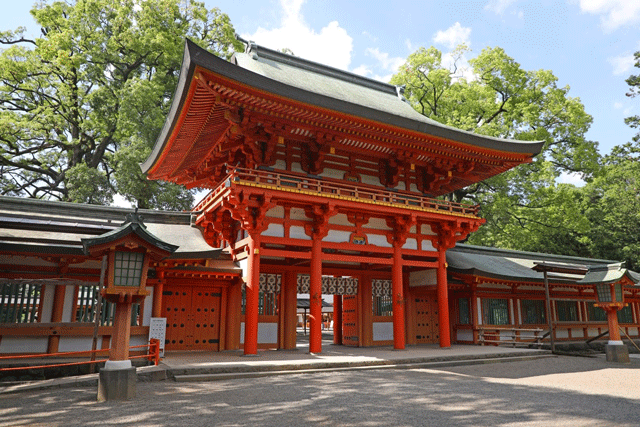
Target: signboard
{"points": [[158, 330]]}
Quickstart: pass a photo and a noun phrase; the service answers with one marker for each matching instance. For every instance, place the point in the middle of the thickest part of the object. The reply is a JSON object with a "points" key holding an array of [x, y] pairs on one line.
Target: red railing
{"points": [[327, 188], [153, 355]]}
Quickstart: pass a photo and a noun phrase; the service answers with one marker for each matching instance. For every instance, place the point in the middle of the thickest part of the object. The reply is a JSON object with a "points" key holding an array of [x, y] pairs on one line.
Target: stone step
{"points": [[238, 374]]}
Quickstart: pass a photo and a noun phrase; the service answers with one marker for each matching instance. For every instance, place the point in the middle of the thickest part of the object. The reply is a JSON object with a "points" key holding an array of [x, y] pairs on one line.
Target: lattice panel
{"points": [[330, 285]]}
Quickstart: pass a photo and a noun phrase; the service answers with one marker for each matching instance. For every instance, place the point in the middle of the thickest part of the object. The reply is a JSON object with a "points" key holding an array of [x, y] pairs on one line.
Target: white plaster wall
{"points": [[69, 296], [47, 303], [267, 333], [562, 333], [410, 244], [24, 344], [280, 164], [577, 333], [339, 219], [427, 246], [378, 224], [297, 232], [277, 212], [76, 343], [401, 186], [382, 331], [297, 213], [332, 173], [244, 266], [632, 331], [426, 230], [148, 307], [274, 230], [413, 187], [464, 335], [337, 236], [370, 179], [378, 240], [593, 332], [138, 340], [506, 336], [511, 310], [295, 167], [479, 310]]}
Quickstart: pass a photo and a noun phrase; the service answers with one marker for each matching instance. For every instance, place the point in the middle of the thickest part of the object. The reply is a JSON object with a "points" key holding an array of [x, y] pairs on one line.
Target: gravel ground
{"points": [[562, 391]]}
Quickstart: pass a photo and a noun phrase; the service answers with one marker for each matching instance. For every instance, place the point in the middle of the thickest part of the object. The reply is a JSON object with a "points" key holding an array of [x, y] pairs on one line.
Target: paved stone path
{"points": [[560, 391]]}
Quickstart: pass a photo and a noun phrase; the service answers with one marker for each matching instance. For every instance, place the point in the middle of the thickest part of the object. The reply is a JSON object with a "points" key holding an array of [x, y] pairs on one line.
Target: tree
{"points": [[82, 105], [524, 207], [612, 207]]}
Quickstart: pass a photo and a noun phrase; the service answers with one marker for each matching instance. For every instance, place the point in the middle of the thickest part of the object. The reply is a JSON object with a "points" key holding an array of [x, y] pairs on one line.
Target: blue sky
{"points": [[588, 44]]}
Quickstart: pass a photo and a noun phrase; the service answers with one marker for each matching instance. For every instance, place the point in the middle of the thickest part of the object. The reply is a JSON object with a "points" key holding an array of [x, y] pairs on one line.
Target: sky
{"points": [[587, 44]]}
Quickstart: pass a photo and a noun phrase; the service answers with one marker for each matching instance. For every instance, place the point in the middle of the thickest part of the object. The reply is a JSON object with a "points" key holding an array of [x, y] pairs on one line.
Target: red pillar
{"points": [[252, 296], [121, 332], [614, 328], [337, 319], [443, 300], [398, 298], [291, 316], [315, 296]]}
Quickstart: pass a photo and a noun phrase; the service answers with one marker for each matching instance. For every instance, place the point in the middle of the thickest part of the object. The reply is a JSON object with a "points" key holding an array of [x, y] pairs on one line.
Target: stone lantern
{"points": [[608, 282], [129, 249]]}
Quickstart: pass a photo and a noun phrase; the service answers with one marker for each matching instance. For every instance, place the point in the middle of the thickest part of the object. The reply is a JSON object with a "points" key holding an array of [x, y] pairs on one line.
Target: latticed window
{"points": [[382, 305], [128, 268], [267, 303], [495, 311], [567, 311], [464, 317], [533, 311], [596, 314], [625, 315], [20, 303], [87, 302]]}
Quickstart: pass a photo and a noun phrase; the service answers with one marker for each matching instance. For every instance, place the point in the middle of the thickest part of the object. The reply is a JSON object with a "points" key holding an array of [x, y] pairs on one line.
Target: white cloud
{"points": [[618, 105], [331, 45], [498, 6], [363, 70], [370, 36], [614, 13], [386, 62], [621, 64], [453, 36]]}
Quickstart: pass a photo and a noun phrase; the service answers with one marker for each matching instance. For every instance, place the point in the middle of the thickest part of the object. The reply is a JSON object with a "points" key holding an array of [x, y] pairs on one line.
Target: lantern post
{"points": [[129, 249], [611, 300]]}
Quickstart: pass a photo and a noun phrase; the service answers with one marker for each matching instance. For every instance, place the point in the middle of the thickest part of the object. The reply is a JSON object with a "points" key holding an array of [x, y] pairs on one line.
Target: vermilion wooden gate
{"points": [[193, 317], [350, 320], [427, 319]]}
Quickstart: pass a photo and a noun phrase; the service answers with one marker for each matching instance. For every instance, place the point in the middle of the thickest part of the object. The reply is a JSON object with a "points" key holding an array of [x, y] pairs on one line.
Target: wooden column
{"points": [[56, 316], [156, 311], [337, 319], [365, 318], [443, 300], [252, 297], [614, 328], [315, 296], [121, 332], [398, 298], [290, 295], [234, 307]]}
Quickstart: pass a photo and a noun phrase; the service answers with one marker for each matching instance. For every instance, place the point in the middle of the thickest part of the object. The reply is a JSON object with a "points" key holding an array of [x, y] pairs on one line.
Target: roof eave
{"points": [[195, 56]]}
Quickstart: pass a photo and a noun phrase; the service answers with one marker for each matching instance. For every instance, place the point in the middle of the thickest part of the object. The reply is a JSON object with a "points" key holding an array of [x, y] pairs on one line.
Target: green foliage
{"points": [[525, 208], [612, 206], [82, 105]]}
